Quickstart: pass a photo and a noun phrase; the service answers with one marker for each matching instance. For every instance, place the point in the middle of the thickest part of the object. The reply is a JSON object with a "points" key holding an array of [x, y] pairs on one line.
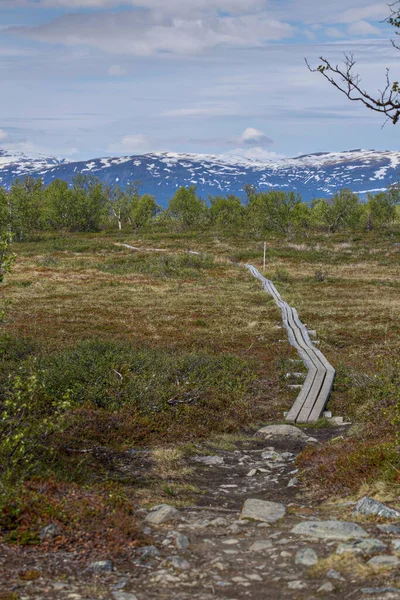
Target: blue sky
{"points": [[86, 78]]}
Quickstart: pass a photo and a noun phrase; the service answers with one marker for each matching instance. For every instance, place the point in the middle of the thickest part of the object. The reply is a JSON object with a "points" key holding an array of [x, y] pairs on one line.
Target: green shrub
{"points": [[28, 418]]}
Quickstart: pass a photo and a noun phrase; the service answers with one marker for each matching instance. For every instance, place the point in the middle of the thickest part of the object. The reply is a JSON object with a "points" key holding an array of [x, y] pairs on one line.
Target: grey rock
{"points": [[262, 510], [121, 584], [384, 560], [327, 588], [271, 455], [307, 557], [101, 566], [396, 545], [297, 585], [162, 513], [369, 506], [261, 546], [209, 460], [365, 547], [219, 522], [181, 540], [332, 574], [48, 532], [177, 562], [293, 482], [124, 596], [390, 528], [330, 530], [287, 455], [148, 552], [282, 431]]}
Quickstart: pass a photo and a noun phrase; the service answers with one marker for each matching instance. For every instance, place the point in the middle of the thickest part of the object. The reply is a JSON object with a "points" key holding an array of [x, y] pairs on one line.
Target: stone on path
{"points": [[148, 552], [297, 585], [209, 460], [124, 596], [261, 545], [330, 530], [384, 560], [101, 566], [284, 431], [368, 546], [179, 563], [262, 510], [326, 587], [369, 506], [161, 514], [181, 541], [389, 528], [307, 557]]}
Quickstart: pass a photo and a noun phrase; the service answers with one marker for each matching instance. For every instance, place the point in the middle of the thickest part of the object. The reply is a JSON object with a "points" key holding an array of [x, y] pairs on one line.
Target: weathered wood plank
{"points": [[317, 386]]}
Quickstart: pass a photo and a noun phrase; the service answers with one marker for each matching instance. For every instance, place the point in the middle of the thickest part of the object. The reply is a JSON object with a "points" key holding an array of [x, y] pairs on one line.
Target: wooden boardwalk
{"points": [[314, 394]]}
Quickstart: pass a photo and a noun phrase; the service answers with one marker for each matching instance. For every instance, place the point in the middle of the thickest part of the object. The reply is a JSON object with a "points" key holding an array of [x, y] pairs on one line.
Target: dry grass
{"points": [[79, 287]]}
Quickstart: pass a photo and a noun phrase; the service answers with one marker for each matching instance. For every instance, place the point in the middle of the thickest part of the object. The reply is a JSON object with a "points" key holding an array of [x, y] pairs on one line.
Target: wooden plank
{"points": [[317, 386]]}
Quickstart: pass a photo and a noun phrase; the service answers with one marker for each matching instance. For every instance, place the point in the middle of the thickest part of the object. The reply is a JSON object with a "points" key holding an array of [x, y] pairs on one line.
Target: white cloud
{"points": [[144, 33], [116, 71], [189, 6], [3, 135], [372, 12], [363, 28], [132, 144], [334, 32], [251, 136], [255, 153]]}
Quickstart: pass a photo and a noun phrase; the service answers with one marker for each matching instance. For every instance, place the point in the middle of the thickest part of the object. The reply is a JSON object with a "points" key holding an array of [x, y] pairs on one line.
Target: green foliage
{"points": [[87, 205], [343, 211], [226, 213], [113, 374], [26, 206], [186, 209], [159, 265], [143, 211], [275, 211], [381, 208], [28, 418]]}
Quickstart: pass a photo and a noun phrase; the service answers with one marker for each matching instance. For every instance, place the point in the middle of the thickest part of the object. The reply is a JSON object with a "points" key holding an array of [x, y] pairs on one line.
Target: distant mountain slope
{"points": [[313, 175]]}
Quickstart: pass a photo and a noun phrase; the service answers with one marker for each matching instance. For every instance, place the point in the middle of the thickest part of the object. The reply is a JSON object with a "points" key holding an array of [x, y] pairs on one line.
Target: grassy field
{"points": [[162, 349]]}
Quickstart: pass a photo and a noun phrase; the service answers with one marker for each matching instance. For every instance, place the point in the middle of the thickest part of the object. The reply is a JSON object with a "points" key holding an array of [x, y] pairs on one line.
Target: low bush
{"points": [[158, 265]]}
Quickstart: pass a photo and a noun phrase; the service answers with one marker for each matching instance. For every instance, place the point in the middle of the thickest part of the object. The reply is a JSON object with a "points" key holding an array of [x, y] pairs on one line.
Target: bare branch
{"points": [[347, 81]]}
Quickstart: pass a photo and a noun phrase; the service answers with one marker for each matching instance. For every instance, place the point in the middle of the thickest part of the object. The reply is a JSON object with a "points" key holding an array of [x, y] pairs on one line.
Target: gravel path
{"points": [[287, 547]]}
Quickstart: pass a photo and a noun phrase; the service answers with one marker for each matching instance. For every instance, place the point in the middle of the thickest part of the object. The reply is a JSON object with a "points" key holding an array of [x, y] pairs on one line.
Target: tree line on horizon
{"points": [[88, 205]]}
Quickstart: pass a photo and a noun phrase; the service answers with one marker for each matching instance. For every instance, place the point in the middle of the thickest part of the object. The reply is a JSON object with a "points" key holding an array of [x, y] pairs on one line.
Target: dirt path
{"points": [[206, 551]]}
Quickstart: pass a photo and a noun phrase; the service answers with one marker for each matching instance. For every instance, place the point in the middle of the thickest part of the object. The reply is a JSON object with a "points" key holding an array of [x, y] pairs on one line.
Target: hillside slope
{"points": [[160, 174]]}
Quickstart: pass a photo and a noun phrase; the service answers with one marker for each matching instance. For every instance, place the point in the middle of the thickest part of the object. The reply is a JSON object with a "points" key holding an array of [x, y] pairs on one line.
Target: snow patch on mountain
{"points": [[313, 175]]}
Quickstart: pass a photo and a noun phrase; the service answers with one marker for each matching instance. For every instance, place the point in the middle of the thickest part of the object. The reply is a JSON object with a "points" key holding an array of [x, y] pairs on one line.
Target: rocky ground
{"points": [[252, 534]]}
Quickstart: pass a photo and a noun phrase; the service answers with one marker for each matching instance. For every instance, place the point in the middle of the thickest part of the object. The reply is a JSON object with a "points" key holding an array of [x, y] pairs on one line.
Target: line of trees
{"points": [[87, 205]]}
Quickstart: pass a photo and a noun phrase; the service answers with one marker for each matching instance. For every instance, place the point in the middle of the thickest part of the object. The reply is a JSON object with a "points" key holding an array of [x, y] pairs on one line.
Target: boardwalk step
{"points": [[314, 393]]}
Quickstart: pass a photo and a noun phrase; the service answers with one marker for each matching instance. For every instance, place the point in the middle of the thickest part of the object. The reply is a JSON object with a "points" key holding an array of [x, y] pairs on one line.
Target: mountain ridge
{"points": [[312, 175]]}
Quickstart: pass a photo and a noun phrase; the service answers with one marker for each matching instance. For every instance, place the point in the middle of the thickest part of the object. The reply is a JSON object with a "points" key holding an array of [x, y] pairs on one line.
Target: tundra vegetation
{"points": [[106, 350]]}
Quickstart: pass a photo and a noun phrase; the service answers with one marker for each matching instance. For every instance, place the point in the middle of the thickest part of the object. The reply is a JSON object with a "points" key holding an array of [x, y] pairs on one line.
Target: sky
{"points": [[86, 78]]}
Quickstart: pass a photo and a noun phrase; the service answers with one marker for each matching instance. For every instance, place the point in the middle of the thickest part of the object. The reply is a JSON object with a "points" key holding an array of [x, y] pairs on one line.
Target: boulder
{"points": [[284, 431], [369, 506], [365, 547], [307, 557], [210, 461], [385, 561], [262, 510], [330, 530], [162, 513]]}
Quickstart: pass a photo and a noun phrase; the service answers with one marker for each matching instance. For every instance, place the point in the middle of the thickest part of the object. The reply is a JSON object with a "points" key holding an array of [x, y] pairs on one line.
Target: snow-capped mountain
{"points": [[160, 174]]}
